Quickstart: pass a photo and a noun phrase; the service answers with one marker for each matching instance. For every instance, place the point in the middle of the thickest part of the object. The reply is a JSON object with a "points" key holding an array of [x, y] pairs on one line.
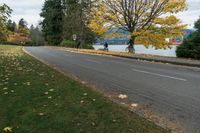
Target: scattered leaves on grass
{"points": [[5, 88], [6, 93]]}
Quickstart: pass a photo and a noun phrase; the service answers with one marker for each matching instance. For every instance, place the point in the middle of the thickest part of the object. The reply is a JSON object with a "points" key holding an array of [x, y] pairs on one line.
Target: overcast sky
{"points": [[30, 10]]}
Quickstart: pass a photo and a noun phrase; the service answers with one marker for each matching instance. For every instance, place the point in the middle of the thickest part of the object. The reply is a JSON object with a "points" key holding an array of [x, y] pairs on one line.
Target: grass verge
{"points": [[37, 99]]}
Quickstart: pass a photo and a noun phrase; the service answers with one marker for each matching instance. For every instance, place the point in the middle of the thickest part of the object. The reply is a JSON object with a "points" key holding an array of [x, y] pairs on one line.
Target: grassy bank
{"points": [[37, 99]]}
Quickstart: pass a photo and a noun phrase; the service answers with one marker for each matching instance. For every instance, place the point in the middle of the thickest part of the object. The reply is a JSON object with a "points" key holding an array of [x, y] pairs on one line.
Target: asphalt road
{"points": [[170, 90]]}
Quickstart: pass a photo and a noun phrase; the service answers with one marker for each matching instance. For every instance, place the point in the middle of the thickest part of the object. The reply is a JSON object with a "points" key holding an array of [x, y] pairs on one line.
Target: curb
{"points": [[136, 58], [161, 61]]}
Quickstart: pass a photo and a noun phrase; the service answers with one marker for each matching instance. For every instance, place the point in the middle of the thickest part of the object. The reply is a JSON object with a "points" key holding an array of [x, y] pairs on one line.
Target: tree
{"points": [[5, 12], [22, 27], [52, 25], [36, 36], [11, 26], [191, 46], [148, 21], [22, 23], [76, 13]]}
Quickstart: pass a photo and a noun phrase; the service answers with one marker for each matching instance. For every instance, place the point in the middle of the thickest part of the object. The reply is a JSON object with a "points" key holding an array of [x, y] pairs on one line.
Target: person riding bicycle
{"points": [[106, 46], [130, 45]]}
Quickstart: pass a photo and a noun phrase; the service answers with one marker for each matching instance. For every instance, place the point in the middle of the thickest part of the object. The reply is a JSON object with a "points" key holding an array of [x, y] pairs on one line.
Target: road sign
{"points": [[74, 37]]}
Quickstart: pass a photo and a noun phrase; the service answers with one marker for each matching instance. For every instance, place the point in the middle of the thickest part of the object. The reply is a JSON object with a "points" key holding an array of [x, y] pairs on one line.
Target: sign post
{"points": [[74, 37]]}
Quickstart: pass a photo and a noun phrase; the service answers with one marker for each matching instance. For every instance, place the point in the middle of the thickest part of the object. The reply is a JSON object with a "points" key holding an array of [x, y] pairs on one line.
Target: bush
{"points": [[68, 43], [72, 44], [87, 46], [188, 50], [191, 47]]}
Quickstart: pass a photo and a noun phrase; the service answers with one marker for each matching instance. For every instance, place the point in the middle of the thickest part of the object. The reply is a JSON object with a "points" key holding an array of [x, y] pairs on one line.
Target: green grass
{"points": [[37, 99]]}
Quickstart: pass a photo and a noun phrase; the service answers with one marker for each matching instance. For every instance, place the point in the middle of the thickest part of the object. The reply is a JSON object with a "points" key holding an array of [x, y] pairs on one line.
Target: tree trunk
{"points": [[133, 43]]}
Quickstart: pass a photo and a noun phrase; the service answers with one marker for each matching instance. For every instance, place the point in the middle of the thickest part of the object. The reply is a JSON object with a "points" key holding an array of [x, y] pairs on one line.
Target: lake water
{"points": [[140, 49]]}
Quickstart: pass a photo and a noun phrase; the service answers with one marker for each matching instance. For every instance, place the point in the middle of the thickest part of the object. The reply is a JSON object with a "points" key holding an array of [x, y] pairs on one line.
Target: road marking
{"points": [[156, 74], [93, 61]]}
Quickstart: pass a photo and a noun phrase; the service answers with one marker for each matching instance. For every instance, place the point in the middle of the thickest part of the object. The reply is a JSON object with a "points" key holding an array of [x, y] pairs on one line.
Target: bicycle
{"points": [[130, 49], [105, 49]]}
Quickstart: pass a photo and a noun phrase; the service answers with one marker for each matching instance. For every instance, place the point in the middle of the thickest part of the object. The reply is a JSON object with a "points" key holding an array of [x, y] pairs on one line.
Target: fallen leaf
{"points": [[7, 129], [134, 105], [121, 96], [41, 114], [82, 101]]}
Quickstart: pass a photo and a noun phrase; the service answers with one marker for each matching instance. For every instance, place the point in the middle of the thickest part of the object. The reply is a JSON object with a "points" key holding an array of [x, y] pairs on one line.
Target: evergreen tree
{"points": [[11, 26], [14, 25], [22, 23], [52, 25], [191, 46], [22, 27], [36, 36], [32, 27], [75, 20]]}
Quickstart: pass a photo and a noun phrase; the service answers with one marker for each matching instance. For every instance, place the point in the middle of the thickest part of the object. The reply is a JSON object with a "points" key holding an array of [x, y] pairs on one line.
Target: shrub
{"points": [[68, 43], [191, 47], [72, 44], [188, 50], [19, 39], [87, 46]]}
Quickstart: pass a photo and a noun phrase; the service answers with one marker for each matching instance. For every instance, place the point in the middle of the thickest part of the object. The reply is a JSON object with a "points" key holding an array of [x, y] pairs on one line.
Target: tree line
{"points": [[148, 22], [65, 18], [18, 33]]}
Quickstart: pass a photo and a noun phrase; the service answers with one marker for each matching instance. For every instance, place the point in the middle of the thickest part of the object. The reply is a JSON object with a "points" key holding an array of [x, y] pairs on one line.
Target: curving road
{"points": [[170, 90]]}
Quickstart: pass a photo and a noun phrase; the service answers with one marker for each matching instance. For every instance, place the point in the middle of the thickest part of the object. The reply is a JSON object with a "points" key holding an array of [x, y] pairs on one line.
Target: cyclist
{"points": [[130, 46], [106, 46]]}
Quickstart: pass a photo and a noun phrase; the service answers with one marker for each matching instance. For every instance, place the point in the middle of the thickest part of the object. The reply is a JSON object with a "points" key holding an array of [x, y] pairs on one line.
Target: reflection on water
{"points": [[140, 49]]}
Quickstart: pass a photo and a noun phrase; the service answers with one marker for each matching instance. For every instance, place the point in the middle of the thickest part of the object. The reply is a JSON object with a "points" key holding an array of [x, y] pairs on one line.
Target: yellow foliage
{"points": [[18, 38], [136, 20], [175, 6]]}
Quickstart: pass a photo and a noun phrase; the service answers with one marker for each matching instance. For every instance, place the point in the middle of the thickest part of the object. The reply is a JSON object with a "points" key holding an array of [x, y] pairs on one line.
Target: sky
{"points": [[30, 10]]}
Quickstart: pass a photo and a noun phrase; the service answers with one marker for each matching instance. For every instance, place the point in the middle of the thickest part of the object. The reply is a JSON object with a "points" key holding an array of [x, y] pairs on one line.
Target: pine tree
{"points": [[52, 25], [191, 45], [22, 23], [11, 26], [36, 36], [75, 20], [22, 27]]}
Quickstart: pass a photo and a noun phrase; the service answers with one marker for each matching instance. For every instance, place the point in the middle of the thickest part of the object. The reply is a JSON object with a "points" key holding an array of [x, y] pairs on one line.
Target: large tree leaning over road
{"points": [[149, 22]]}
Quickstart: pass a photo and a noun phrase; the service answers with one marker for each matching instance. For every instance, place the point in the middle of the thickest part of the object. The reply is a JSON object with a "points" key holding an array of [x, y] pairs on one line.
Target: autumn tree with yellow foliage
{"points": [[149, 22], [5, 12]]}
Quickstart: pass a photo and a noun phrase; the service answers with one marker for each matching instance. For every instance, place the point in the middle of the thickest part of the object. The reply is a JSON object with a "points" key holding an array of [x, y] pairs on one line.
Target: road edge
{"points": [[84, 51]]}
